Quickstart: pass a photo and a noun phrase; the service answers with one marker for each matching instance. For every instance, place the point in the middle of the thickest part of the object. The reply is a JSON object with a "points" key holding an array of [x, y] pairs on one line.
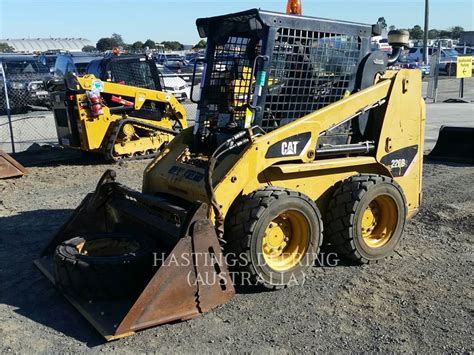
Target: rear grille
{"points": [[309, 70]]}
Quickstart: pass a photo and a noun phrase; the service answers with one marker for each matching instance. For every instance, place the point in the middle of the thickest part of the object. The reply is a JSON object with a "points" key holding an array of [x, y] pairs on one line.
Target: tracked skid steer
{"points": [[121, 114], [302, 137]]}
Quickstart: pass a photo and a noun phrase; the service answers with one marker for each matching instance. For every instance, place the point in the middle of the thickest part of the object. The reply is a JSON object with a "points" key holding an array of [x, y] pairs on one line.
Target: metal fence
{"points": [[26, 117], [24, 114], [433, 80]]}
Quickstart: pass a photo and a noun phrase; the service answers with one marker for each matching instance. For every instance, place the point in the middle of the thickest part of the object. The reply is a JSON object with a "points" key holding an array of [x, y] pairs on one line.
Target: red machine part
{"points": [[96, 105]]}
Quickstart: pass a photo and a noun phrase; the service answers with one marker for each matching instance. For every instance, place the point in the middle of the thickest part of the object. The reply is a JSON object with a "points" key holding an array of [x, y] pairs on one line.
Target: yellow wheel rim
{"points": [[379, 221], [286, 240], [128, 130]]}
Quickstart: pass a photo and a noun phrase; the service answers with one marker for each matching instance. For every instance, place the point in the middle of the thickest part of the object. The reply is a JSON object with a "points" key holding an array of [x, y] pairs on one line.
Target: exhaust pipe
{"points": [[398, 39]]}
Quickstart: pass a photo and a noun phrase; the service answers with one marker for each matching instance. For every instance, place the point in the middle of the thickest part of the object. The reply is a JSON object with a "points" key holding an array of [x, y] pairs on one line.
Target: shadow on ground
{"points": [[54, 156], [23, 286]]}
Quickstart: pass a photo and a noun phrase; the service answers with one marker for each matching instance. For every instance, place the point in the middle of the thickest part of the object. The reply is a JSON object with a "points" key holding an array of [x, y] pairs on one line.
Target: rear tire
{"points": [[366, 218], [273, 236], [451, 69], [118, 266]]}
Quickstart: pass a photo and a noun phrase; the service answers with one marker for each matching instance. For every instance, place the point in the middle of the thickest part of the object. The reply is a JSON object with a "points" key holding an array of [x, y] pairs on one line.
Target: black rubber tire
{"points": [[345, 210], [244, 231], [103, 277], [451, 69]]}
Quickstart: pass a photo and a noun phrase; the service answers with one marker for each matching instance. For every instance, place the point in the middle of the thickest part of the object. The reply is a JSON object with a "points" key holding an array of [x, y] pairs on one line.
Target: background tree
{"points": [[382, 21], [106, 43], [443, 34], [416, 32], [200, 45], [5, 48], [172, 45], [433, 34], [392, 28], [137, 45], [456, 32], [118, 39], [149, 43], [89, 49]]}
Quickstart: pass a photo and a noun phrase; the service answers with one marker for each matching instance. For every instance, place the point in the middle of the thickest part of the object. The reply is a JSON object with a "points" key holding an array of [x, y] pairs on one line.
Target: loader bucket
{"points": [[178, 290], [9, 167], [454, 144]]}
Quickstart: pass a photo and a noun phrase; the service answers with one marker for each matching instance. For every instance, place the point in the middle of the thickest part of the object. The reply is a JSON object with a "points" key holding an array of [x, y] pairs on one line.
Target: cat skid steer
{"points": [[302, 137]]}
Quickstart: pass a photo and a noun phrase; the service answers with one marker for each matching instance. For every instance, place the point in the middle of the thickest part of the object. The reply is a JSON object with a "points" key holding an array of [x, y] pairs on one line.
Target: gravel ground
{"points": [[420, 299]]}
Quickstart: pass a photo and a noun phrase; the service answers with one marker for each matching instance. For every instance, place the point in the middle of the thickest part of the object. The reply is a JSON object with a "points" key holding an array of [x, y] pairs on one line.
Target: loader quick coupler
{"points": [[116, 215]]}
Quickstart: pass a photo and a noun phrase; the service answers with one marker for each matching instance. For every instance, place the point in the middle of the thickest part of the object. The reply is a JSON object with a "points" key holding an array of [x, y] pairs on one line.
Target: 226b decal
{"points": [[399, 160]]}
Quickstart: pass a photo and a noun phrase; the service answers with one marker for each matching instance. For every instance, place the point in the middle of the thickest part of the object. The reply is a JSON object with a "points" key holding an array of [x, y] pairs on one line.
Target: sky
{"points": [[175, 20]]}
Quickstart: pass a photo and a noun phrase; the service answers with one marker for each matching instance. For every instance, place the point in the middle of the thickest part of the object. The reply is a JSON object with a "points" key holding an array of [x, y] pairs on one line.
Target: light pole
{"points": [[425, 34]]}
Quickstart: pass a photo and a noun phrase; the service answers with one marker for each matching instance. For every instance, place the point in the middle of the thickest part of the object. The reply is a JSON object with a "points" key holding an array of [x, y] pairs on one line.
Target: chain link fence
{"points": [[433, 80], [26, 117], [24, 107]]}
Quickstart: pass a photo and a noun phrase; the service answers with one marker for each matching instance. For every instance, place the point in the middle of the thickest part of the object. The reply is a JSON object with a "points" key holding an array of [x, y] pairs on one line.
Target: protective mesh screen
{"points": [[133, 74], [229, 87], [308, 71]]}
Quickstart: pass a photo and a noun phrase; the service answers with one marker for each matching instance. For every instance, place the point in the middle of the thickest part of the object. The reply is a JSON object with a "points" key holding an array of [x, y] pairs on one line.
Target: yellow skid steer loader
{"points": [[119, 120], [322, 145]]}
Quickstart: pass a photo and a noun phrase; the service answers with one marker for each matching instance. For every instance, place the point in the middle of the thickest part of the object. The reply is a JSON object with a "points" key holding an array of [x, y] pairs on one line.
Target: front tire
{"points": [[273, 236], [366, 218]]}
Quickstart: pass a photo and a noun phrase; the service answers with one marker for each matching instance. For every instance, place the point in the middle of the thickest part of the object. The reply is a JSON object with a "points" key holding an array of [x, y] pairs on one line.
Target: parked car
{"points": [[25, 78], [193, 55], [199, 61], [447, 62], [49, 57], [405, 61], [73, 62], [460, 50], [185, 69], [175, 65], [163, 58], [173, 84]]}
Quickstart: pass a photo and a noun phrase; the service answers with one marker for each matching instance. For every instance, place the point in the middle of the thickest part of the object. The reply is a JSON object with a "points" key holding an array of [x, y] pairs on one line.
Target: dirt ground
{"points": [[420, 299]]}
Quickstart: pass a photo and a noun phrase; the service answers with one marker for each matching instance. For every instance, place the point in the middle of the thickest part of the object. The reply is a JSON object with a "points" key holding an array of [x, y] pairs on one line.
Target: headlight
{"points": [[17, 85], [34, 86]]}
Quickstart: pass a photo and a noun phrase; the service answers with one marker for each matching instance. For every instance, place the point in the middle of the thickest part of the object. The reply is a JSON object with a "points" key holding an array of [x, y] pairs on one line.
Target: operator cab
{"points": [[267, 69], [138, 71]]}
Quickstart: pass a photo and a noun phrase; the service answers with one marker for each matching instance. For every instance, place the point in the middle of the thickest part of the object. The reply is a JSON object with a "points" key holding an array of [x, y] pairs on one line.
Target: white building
{"points": [[36, 45]]}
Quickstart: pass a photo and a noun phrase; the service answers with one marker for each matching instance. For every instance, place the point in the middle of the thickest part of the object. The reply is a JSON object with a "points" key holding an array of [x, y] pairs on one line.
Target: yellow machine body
{"points": [[120, 131], [403, 126]]}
